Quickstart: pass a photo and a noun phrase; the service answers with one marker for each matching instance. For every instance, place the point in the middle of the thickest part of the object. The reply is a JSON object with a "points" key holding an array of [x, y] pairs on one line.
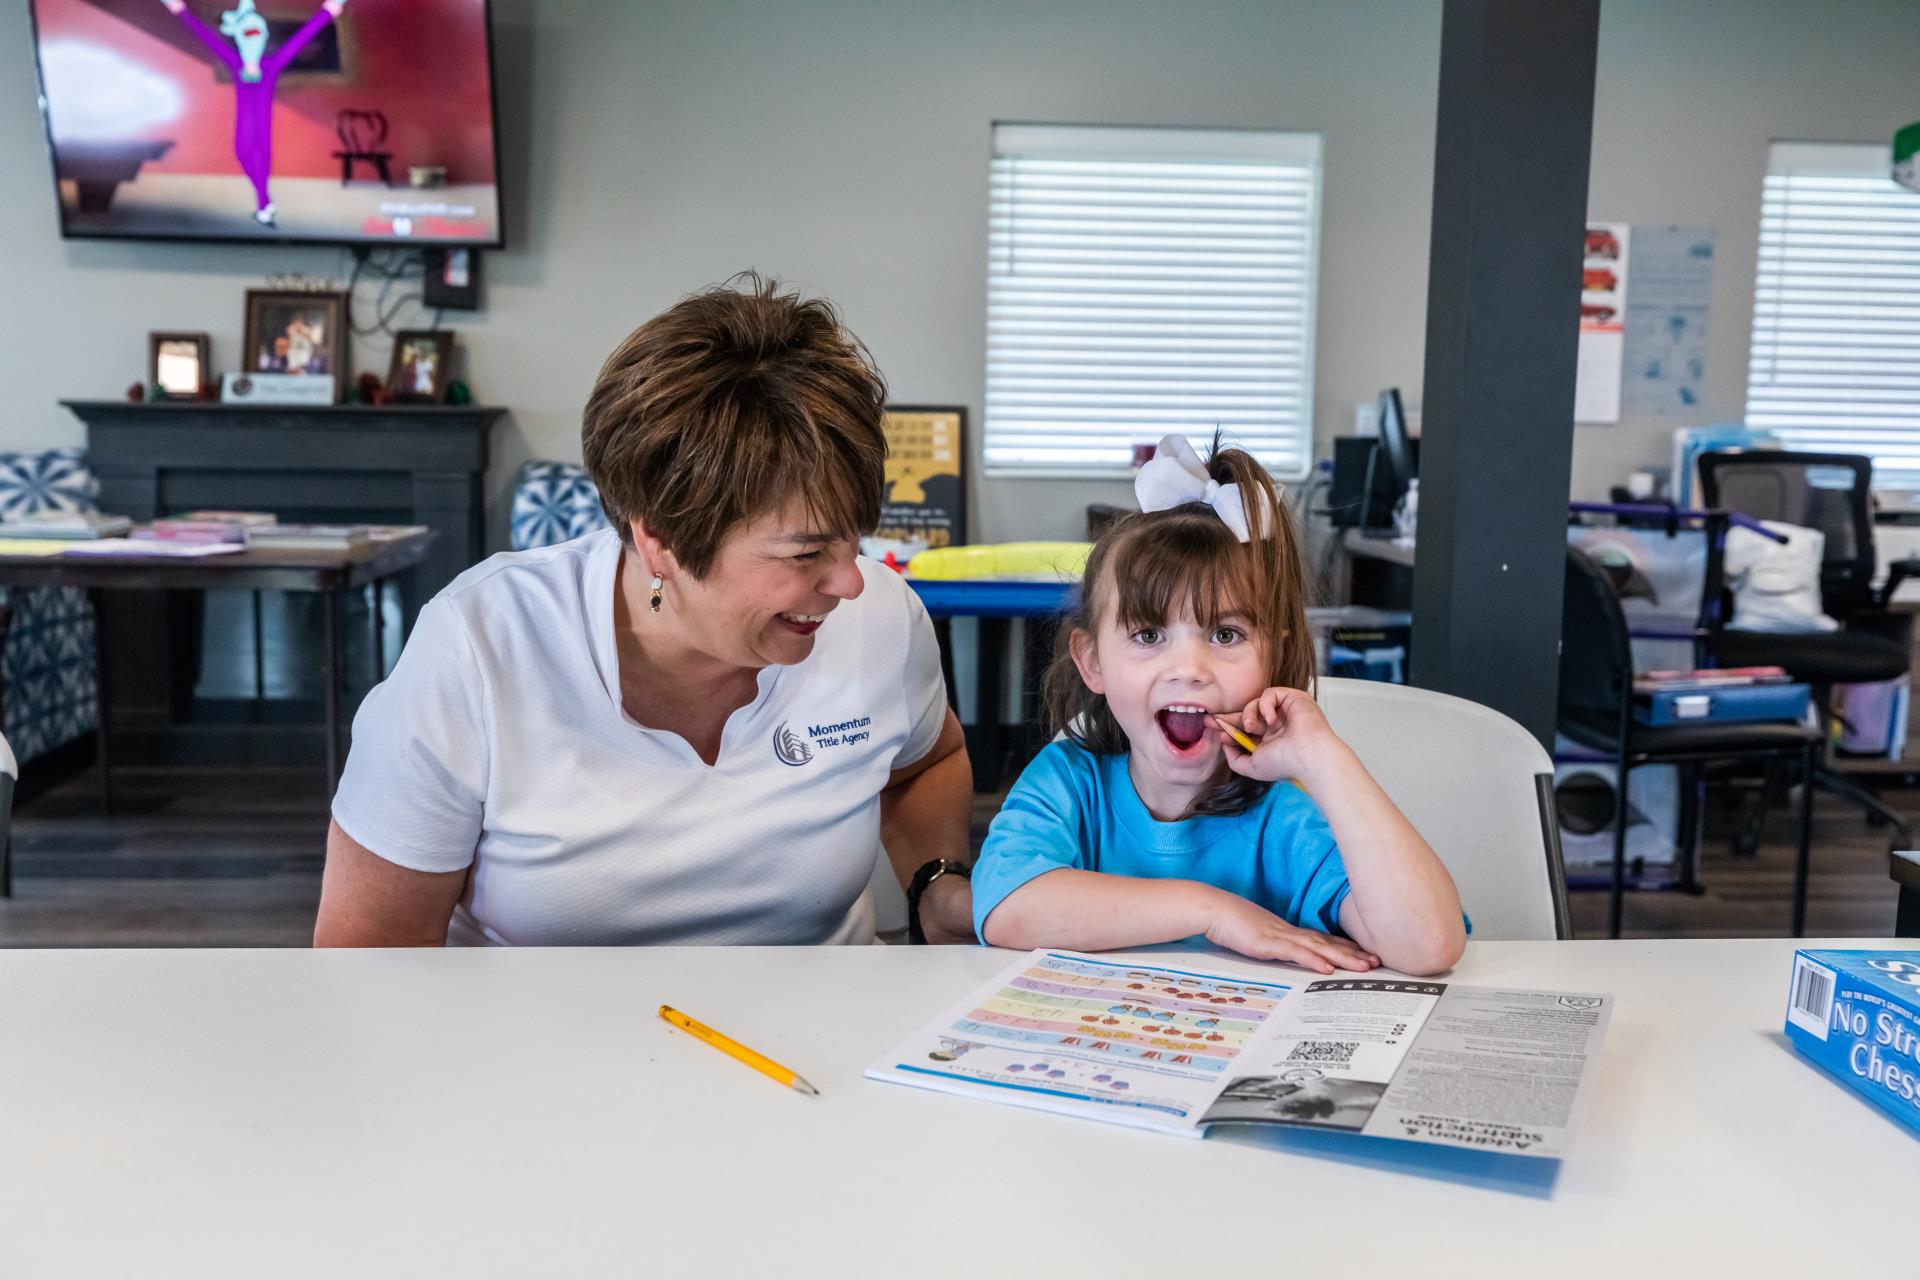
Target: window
{"points": [[1143, 281], [1835, 364]]}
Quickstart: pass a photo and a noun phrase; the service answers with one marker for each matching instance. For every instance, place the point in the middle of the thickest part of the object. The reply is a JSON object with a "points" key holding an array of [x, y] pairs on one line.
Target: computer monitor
{"points": [[1396, 447]]}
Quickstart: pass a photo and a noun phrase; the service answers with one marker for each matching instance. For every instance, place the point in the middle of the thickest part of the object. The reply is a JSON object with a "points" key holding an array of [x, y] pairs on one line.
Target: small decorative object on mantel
{"points": [[176, 365], [458, 393], [296, 332], [311, 389], [367, 389], [419, 371], [136, 393]]}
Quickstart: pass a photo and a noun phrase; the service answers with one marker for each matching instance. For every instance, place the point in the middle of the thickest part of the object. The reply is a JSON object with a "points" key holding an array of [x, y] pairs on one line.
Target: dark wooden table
{"points": [[330, 573]]}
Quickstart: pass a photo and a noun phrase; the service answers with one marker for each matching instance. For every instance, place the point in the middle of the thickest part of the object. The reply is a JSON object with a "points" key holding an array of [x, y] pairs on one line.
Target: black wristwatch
{"points": [[917, 887]]}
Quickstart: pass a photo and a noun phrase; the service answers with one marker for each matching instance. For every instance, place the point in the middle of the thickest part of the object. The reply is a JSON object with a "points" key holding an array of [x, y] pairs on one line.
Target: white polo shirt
{"points": [[499, 742]]}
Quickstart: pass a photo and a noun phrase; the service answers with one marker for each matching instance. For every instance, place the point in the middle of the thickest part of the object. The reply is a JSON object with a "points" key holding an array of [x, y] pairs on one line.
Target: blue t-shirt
{"points": [[1073, 808]]}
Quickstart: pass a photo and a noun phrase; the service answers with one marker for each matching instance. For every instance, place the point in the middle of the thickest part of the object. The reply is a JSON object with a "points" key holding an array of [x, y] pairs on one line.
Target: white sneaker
{"points": [[265, 216]]}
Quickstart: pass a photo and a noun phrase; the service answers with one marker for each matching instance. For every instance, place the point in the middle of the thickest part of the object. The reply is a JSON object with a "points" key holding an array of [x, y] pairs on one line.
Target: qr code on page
{"points": [[1340, 1051]]}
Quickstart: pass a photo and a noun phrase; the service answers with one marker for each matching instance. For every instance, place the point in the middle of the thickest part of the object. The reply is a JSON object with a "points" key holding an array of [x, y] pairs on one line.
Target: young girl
{"points": [[1148, 824]]}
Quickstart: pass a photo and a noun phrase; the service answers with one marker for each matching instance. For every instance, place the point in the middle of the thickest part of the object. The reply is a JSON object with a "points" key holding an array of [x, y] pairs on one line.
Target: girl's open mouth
{"points": [[1184, 726]]}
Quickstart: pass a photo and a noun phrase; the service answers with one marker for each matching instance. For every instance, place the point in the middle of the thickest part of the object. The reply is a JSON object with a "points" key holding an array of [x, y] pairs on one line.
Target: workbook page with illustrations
{"points": [[1177, 1049]]}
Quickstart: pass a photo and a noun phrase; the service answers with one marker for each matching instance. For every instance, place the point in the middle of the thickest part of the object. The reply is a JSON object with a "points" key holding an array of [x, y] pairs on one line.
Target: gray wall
{"points": [[653, 148]]}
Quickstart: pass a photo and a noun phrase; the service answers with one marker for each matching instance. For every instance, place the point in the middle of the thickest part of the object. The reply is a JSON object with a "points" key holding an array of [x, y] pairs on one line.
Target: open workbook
{"points": [[1177, 1050]]}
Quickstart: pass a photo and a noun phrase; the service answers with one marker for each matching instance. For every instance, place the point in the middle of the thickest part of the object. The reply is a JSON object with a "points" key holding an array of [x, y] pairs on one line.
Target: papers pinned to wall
{"points": [[1665, 355], [1603, 311]]}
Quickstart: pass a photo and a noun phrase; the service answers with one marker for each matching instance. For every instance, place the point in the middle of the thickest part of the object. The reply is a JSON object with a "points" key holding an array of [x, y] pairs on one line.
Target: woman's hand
{"points": [[946, 910], [1251, 930], [1294, 740]]}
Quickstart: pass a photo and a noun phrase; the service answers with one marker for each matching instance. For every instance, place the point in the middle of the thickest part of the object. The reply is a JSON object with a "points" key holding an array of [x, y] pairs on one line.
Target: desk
{"points": [[293, 1113], [331, 572], [1379, 570], [994, 601]]}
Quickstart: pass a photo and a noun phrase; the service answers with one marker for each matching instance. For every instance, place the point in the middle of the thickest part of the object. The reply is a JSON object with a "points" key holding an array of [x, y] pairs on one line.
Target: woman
{"points": [[694, 727]]}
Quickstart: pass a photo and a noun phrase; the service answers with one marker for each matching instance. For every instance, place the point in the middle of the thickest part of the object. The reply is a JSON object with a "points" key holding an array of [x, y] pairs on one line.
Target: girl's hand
{"points": [[1292, 735], [1239, 925]]}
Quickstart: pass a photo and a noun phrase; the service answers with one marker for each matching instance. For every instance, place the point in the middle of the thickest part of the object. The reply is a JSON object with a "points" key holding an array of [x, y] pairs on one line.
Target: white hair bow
{"points": [[1174, 477]]}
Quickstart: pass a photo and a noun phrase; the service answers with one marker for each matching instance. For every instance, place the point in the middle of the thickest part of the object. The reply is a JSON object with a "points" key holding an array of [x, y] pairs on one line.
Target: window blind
{"points": [[1835, 362], [1142, 281]]}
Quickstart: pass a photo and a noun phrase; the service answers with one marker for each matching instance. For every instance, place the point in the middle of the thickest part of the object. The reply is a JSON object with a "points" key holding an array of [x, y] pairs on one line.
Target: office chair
{"points": [[1831, 492], [1596, 711]]}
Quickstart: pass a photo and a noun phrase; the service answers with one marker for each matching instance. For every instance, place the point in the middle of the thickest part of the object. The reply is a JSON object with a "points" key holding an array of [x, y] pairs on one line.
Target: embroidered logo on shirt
{"points": [[846, 733], [788, 748]]}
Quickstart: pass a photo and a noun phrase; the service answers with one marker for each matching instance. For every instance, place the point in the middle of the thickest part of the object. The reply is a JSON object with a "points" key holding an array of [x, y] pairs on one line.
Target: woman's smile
{"points": [[802, 624]]}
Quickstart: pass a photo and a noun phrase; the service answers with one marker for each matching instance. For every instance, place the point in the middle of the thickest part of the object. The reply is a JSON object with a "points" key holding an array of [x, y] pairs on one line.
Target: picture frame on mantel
{"points": [[296, 332], [418, 373], [177, 365]]}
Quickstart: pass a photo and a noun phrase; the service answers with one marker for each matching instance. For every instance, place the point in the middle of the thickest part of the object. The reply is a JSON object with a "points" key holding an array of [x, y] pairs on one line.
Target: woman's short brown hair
{"points": [[729, 404]]}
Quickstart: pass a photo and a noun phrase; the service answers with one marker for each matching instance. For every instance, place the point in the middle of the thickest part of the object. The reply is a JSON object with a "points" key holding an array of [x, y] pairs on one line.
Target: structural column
{"points": [[1503, 302]]}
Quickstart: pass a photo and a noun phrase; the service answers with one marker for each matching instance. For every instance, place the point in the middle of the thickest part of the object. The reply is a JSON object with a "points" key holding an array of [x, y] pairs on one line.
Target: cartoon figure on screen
{"points": [[254, 79]]}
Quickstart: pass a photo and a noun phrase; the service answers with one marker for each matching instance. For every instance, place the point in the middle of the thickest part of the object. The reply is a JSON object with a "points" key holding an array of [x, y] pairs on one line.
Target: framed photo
{"points": [[177, 364], [289, 331], [926, 476], [419, 369]]}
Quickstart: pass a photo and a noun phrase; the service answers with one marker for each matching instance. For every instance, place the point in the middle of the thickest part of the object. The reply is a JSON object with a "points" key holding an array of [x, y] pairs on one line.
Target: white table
{"points": [[254, 1114]]}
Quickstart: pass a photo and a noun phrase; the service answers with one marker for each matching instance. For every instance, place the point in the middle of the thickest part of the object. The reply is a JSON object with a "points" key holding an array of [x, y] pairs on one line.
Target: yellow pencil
{"points": [[1246, 743], [734, 1049]]}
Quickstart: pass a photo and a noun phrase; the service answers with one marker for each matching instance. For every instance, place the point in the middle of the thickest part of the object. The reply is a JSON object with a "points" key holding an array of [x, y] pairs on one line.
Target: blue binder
{"points": [[1726, 704]]}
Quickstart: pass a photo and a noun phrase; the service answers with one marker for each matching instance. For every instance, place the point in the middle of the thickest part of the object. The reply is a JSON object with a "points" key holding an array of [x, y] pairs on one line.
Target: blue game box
{"points": [[1857, 1015]]}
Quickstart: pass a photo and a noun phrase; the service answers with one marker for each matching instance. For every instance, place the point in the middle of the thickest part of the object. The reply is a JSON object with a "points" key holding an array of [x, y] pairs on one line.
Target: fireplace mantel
{"points": [[429, 460]]}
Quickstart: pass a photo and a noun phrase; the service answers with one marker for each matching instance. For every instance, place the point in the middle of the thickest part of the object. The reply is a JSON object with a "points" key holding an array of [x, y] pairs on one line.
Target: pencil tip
{"points": [[801, 1084]]}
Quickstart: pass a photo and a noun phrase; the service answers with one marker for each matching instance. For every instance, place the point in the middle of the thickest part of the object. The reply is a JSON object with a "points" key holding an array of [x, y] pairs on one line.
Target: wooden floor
{"points": [[233, 859], [188, 859]]}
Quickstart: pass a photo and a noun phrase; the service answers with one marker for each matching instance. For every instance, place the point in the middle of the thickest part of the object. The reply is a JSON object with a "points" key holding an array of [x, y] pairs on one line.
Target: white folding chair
{"points": [[1477, 786], [9, 770]]}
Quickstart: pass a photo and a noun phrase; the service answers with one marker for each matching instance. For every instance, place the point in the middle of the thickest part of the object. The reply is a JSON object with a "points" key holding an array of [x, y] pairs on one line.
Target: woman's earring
{"points": [[653, 602]]}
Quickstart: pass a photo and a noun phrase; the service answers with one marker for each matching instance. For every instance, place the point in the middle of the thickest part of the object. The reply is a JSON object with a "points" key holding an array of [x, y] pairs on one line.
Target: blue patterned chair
{"points": [[554, 502], [47, 690]]}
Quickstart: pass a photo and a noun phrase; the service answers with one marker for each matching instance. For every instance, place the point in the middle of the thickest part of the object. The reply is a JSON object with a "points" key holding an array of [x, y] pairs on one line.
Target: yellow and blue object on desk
{"points": [[1059, 561]]}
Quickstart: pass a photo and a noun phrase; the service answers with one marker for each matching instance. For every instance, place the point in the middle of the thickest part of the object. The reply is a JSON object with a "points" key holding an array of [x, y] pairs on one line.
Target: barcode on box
{"points": [[1340, 1051], [1810, 999]]}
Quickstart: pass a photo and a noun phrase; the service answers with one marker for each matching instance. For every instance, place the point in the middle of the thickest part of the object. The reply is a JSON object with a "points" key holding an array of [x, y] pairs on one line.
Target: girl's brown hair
{"points": [[1152, 567]]}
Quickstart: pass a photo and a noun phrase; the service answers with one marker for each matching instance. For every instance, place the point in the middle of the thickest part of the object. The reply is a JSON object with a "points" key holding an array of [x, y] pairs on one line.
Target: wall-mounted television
{"points": [[368, 122]]}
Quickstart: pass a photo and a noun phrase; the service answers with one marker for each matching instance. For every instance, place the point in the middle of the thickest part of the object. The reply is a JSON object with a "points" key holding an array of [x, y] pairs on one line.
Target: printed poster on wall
{"points": [[1603, 314], [1666, 339], [926, 490]]}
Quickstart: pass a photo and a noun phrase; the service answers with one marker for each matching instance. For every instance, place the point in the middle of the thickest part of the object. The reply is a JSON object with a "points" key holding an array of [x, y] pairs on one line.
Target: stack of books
{"points": [[1725, 694], [307, 537], [65, 526], [205, 527]]}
